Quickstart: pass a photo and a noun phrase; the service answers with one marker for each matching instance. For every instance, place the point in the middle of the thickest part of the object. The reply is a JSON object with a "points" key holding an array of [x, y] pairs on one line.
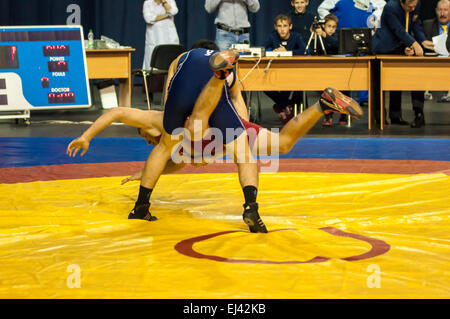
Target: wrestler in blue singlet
{"points": [[192, 74]]}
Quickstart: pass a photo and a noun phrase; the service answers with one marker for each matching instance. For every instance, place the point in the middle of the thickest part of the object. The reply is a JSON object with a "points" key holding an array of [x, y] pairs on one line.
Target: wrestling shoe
{"points": [[141, 212], [252, 219], [333, 100], [223, 62]]}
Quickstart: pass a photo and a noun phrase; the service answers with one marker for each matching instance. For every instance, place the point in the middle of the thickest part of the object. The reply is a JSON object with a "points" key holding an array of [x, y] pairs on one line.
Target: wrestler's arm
{"points": [[238, 100], [129, 116]]}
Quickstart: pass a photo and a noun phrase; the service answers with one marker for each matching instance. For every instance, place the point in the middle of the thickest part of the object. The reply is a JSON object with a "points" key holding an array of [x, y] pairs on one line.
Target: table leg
{"points": [[125, 92]]}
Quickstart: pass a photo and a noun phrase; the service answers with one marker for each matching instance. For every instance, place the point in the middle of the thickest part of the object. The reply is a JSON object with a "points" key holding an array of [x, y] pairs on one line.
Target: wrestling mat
{"points": [[365, 218]]}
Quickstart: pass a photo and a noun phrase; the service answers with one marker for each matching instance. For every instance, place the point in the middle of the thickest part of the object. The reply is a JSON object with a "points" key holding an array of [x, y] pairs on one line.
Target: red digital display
{"points": [[58, 66], [56, 50], [66, 97], [8, 57], [45, 82]]}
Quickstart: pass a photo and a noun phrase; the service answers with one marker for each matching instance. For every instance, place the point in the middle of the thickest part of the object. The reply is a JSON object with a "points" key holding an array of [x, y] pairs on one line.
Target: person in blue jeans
{"points": [[232, 25]]}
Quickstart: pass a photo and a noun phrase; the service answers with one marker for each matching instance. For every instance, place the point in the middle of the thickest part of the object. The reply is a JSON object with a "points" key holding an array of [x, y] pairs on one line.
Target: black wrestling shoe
{"points": [[334, 101], [252, 219], [223, 62], [141, 212]]}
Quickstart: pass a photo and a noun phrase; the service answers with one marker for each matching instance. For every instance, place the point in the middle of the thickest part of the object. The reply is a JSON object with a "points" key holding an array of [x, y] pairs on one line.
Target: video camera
{"points": [[317, 23]]}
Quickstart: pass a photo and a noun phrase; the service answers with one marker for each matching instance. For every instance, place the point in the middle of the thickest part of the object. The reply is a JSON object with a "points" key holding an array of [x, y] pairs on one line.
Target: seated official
{"points": [[400, 32], [283, 39]]}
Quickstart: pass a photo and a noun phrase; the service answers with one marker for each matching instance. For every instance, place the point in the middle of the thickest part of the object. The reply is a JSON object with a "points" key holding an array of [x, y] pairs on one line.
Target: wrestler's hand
{"points": [[134, 177], [76, 145]]}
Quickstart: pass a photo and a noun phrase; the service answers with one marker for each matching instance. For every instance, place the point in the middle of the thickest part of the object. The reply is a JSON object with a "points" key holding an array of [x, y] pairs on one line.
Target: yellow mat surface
{"points": [[331, 236]]}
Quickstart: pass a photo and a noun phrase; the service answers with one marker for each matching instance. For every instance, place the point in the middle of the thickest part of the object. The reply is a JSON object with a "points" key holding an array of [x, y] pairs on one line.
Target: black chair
{"points": [[162, 56]]}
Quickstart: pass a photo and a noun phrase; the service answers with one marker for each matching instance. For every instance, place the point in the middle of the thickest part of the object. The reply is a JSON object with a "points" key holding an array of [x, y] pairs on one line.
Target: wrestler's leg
{"points": [[221, 63], [204, 106], [239, 149], [298, 126], [154, 166]]}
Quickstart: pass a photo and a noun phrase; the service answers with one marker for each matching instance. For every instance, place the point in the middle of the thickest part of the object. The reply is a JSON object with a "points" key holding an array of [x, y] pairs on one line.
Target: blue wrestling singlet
{"points": [[192, 74]]}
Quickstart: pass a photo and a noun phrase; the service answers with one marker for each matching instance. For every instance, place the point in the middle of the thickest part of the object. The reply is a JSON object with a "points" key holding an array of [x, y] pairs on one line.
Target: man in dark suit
{"points": [[401, 32], [432, 28]]}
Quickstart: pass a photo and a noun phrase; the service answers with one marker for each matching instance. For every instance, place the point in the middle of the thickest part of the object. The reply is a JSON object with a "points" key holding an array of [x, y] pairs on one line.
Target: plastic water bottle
{"points": [[90, 39]]}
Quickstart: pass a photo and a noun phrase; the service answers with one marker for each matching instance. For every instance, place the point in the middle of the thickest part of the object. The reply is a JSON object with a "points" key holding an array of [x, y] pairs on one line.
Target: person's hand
{"points": [[126, 180], [409, 51], [417, 49], [76, 145], [321, 32], [428, 44], [281, 48]]}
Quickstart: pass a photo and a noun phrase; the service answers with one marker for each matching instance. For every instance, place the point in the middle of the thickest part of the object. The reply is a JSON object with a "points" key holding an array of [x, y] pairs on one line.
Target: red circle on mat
{"points": [[379, 247]]}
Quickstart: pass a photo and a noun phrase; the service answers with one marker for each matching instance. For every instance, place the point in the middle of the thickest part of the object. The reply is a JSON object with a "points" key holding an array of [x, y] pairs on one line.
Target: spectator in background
{"points": [[283, 39], [331, 43], [353, 14], [432, 28], [399, 21], [158, 15], [301, 18], [328, 33], [232, 25]]}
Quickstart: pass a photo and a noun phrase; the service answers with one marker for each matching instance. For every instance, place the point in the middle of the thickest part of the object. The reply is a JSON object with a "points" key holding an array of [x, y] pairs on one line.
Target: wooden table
{"points": [[306, 73], [112, 64], [402, 73]]}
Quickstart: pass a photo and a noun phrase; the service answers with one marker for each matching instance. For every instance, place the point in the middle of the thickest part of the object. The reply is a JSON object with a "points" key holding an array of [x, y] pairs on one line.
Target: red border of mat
{"points": [[12, 175]]}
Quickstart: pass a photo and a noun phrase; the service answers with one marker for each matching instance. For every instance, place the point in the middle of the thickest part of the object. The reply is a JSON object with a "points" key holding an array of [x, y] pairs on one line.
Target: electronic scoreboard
{"points": [[42, 67]]}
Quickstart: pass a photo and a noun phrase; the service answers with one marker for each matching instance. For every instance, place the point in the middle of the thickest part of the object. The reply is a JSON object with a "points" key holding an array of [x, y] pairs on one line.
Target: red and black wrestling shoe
{"points": [[223, 62], [333, 101]]}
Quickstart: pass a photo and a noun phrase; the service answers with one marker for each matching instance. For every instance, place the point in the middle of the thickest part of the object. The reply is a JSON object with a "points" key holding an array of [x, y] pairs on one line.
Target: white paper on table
{"points": [[439, 44]]}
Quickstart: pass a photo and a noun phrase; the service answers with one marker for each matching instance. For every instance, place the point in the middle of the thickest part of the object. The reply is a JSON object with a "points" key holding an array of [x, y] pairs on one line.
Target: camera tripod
{"points": [[314, 36]]}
